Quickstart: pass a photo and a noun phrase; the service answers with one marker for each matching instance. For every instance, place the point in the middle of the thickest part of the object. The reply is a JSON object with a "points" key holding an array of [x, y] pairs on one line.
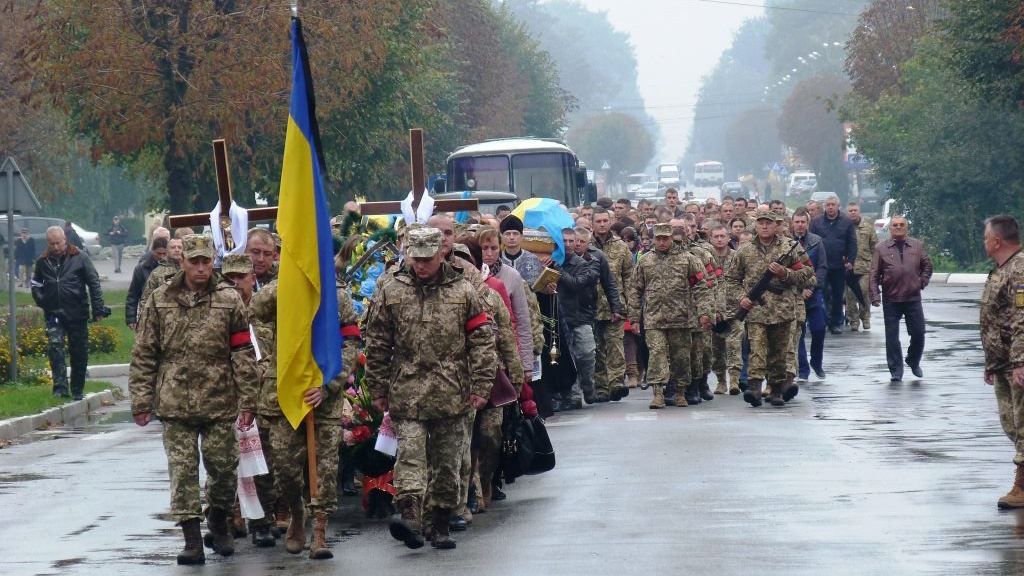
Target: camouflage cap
{"points": [[422, 242], [195, 245], [236, 264], [762, 214], [662, 230], [462, 250]]}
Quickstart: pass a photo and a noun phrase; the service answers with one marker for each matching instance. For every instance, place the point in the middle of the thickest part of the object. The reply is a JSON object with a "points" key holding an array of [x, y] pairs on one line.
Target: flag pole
{"points": [[314, 483]]}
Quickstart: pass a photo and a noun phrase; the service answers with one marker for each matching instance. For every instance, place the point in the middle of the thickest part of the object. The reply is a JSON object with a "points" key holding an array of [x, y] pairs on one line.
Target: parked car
{"points": [[889, 209], [37, 226], [648, 189], [733, 189], [821, 196], [798, 177], [805, 186]]}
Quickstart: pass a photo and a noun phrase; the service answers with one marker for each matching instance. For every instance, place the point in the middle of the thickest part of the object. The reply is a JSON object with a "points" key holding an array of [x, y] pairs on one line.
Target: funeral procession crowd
{"points": [[463, 333]]}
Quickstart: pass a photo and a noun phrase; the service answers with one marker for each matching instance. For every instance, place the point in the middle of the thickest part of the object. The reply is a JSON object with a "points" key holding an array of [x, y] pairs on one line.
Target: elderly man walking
{"points": [[900, 270], [839, 235]]}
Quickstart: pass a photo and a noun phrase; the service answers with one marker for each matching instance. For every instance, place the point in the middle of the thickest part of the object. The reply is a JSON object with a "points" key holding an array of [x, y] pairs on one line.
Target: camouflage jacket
{"points": [[193, 356], [705, 253], [669, 290], [263, 310], [428, 345], [1002, 316], [620, 261], [721, 265], [866, 240], [160, 275], [778, 302]]}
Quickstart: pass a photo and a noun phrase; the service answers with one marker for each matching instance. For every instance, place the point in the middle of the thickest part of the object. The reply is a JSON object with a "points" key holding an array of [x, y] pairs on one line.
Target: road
{"points": [[855, 476]]}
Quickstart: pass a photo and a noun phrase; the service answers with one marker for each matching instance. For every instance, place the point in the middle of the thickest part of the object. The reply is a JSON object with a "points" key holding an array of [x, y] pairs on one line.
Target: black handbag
{"points": [[517, 453], [543, 451]]}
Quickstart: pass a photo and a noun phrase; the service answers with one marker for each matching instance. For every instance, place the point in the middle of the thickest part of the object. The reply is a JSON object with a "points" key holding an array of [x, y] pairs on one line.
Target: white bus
{"points": [[708, 173]]}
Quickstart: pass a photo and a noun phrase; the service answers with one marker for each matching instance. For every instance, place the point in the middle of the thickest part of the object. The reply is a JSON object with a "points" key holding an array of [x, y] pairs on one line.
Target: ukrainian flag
{"points": [[548, 215], [308, 334]]}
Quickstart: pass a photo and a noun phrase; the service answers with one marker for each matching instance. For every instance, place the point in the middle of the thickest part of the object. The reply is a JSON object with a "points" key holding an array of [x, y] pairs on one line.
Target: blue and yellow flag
{"points": [[548, 215], [308, 335]]}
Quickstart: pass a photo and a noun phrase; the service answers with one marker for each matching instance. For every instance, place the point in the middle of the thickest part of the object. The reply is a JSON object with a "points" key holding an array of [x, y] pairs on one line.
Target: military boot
{"points": [[720, 388], [776, 396], [789, 390], [705, 389], [193, 552], [260, 532], [692, 392], [734, 383], [282, 519], [318, 549], [867, 323], [632, 375], [221, 542], [753, 394], [405, 525], [295, 537], [659, 397], [442, 540], [1015, 497]]}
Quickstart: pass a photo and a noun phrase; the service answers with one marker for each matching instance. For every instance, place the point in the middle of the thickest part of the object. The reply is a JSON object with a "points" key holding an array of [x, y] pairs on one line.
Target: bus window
{"points": [[546, 175], [489, 173]]}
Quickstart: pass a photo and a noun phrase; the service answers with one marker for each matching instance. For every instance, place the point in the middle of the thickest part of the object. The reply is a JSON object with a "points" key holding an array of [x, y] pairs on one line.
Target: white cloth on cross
{"points": [[239, 229], [422, 213]]}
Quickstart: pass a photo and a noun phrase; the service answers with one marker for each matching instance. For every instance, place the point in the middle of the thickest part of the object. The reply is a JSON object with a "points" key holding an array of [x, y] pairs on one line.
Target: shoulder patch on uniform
{"points": [[1018, 296]]}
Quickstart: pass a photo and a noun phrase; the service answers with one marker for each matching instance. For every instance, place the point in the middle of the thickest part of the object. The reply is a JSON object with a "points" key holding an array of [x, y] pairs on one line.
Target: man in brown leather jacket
{"points": [[901, 267]]}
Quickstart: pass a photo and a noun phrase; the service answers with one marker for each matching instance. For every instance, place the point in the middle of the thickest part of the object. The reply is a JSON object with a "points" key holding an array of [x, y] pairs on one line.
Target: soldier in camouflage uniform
{"points": [[866, 240], [610, 365], [264, 250], [725, 347], [430, 359], [1002, 336], [668, 284], [193, 367], [697, 388], [289, 444], [771, 319], [163, 273]]}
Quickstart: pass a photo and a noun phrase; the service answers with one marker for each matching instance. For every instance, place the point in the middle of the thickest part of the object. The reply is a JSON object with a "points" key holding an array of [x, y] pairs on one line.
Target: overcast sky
{"points": [[676, 43]]}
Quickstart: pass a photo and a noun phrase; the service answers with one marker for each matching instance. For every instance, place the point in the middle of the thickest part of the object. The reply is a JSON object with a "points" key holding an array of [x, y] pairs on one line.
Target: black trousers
{"points": [[914, 315], [837, 293], [77, 334]]}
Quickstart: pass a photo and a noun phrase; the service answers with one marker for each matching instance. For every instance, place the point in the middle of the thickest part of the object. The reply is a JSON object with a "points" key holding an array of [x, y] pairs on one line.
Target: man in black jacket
{"points": [[839, 235], [145, 267], [577, 303], [65, 285]]}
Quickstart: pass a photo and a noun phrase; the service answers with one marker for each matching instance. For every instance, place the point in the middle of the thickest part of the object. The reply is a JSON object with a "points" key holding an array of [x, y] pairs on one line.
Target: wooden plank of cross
{"points": [[419, 183], [220, 161]]}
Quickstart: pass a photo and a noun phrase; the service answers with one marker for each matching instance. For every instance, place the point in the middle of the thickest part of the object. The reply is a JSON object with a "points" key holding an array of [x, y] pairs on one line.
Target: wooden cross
{"points": [[220, 160], [419, 182]]}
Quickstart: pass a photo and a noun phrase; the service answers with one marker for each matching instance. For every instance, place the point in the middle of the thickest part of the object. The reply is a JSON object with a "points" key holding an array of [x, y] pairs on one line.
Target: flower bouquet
{"points": [[361, 426]]}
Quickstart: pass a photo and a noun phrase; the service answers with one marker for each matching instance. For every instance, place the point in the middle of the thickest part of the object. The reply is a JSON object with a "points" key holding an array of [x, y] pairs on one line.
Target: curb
{"points": [[106, 371], [56, 416]]}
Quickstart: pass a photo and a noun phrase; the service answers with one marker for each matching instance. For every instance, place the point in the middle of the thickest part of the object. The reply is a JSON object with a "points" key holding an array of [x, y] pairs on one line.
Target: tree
{"points": [[810, 123], [751, 141], [616, 138], [884, 39]]}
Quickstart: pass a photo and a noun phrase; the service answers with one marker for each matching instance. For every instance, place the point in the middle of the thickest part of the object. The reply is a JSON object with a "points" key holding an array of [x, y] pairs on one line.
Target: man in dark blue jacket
{"points": [[814, 302], [839, 235]]}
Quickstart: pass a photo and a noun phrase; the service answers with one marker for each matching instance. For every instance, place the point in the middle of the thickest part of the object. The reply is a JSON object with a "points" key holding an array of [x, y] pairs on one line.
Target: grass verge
{"points": [[24, 399]]}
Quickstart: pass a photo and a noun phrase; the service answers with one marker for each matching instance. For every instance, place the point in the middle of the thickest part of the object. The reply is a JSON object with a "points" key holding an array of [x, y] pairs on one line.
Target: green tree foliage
{"points": [[811, 124], [751, 141], [616, 138], [951, 141]]}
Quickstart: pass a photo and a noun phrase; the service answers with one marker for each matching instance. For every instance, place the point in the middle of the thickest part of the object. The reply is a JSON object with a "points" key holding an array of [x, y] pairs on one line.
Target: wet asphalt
{"points": [[855, 476]]}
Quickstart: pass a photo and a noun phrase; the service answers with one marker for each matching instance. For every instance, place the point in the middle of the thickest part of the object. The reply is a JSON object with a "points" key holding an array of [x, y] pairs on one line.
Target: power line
{"points": [[788, 8]]}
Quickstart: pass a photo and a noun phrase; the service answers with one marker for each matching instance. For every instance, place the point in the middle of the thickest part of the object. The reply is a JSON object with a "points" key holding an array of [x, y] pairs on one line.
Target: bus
{"points": [[510, 170], [708, 173]]}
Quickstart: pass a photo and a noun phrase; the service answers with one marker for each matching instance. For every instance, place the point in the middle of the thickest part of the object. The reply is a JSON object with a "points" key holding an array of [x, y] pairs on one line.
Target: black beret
{"points": [[511, 222]]}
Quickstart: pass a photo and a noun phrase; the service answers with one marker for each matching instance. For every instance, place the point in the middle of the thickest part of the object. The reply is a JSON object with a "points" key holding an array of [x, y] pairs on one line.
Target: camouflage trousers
{"points": [[291, 461], [794, 347], [700, 353], [1010, 399], [266, 489], [855, 313], [610, 358], [184, 441], [726, 353], [769, 346], [487, 446], [430, 450], [669, 355], [465, 469]]}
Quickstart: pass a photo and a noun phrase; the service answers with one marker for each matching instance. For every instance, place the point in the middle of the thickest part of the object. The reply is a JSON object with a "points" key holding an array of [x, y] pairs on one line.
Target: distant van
{"points": [[797, 179]]}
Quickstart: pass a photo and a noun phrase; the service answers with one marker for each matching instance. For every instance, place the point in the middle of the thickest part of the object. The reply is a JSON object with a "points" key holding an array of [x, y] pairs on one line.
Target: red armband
{"points": [[476, 322], [240, 339], [351, 331], [718, 272], [798, 265]]}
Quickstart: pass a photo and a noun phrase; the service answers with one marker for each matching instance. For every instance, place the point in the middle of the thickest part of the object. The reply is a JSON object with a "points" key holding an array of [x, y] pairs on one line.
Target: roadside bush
{"points": [[32, 341], [102, 339]]}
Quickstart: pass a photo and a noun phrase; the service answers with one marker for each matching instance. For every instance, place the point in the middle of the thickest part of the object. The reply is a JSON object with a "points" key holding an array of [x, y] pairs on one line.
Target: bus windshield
{"points": [[543, 174], [489, 173]]}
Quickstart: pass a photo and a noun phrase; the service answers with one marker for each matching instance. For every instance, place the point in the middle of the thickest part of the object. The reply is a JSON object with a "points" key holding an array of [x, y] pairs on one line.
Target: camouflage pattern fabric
{"points": [[192, 357], [183, 442], [428, 345], [751, 261], [620, 262], [290, 465], [1010, 400], [666, 288], [610, 359], [769, 345], [160, 276], [430, 449], [669, 355], [1002, 316]]}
